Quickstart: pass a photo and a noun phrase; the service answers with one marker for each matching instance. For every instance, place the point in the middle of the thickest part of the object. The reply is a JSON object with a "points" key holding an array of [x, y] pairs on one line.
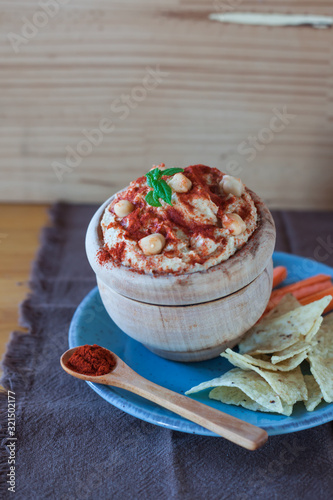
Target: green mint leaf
{"points": [[152, 200], [153, 176], [156, 198], [160, 188], [172, 171], [152, 182], [156, 173], [163, 190], [149, 181]]}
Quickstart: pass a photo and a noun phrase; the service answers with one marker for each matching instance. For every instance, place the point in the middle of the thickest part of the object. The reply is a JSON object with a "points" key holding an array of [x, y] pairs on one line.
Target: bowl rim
{"points": [[184, 289]]}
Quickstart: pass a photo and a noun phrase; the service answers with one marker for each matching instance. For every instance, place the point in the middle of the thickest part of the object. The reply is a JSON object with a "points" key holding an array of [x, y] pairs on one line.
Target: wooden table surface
{"points": [[19, 240]]}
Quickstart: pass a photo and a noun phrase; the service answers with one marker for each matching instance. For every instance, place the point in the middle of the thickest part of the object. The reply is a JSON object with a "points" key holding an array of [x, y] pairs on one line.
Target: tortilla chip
{"points": [[324, 338], [315, 395], [297, 348], [287, 303], [284, 331], [235, 396], [249, 382], [321, 359], [290, 386], [322, 370], [264, 361], [292, 363], [314, 330]]}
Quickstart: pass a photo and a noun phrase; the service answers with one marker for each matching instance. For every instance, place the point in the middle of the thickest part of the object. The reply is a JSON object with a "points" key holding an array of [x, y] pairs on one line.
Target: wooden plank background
{"points": [[221, 84]]}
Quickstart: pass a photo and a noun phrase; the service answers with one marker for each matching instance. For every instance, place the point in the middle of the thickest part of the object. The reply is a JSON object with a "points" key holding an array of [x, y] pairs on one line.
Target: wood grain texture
{"points": [[19, 231], [195, 332], [227, 426], [219, 88]]}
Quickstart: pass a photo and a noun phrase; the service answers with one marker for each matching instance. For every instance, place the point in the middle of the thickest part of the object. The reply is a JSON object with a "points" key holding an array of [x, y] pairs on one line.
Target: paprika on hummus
{"points": [[178, 221]]}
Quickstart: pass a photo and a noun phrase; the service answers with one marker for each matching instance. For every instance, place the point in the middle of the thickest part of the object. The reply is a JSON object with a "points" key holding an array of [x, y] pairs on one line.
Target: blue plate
{"points": [[92, 325]]}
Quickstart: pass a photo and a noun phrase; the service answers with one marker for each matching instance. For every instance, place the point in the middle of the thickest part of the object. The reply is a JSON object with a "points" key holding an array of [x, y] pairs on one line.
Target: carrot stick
{"points": [[318, 296], [301, 284], [280, 273], [273, 302], [306, 290], [301, 289]]}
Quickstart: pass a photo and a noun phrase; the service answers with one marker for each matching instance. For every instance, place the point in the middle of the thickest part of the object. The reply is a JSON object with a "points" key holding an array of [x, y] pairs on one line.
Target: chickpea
{"points": [[234, 223], [231, 185], [123, 208], [180, 183], [152, 244]]}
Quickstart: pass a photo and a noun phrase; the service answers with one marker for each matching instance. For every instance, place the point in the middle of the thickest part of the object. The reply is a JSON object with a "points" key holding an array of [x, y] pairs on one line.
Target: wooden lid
{"points": [[194, 288]]}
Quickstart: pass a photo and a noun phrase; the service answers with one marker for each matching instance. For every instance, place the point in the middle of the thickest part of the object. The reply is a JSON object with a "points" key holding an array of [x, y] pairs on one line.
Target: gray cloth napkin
{"points": [[71, 444]]}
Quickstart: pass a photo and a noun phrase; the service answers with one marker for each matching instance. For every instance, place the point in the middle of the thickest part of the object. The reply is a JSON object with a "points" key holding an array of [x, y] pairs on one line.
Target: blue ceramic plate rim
{"points": [[149, 412]]}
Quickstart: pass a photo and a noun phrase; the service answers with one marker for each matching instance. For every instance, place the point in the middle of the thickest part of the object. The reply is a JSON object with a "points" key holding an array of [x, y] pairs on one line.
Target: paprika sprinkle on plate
{"points": [[91, 360]]}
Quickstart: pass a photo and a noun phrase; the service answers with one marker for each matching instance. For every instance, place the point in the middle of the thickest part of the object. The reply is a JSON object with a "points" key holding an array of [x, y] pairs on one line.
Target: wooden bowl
{"points": [[218, 281], [194, 332], [190, 317]]}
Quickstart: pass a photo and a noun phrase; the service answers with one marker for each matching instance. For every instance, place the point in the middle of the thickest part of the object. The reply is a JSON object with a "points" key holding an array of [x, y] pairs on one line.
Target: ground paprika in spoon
{"points": [[91, 360]]}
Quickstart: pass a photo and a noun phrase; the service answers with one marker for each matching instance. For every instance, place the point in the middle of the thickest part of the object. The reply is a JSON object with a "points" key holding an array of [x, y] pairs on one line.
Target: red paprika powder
{"points": [[91, 360]]}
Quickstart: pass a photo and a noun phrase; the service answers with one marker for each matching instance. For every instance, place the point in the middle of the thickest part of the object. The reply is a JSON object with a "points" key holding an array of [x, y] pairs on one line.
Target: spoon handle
{"points": [[242, 433]]}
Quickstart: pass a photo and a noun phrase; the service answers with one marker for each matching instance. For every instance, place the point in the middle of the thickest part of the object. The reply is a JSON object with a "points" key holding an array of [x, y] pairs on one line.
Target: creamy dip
{"points": [[194, 229]]}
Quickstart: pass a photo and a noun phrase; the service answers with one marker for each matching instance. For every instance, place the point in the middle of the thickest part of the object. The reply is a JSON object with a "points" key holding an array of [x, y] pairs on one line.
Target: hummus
{"points": [[195, 234]]}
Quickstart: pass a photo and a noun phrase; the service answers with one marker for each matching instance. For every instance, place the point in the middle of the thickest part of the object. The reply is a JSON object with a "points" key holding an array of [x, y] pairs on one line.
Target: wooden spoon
{"points": [[231, 428]]}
